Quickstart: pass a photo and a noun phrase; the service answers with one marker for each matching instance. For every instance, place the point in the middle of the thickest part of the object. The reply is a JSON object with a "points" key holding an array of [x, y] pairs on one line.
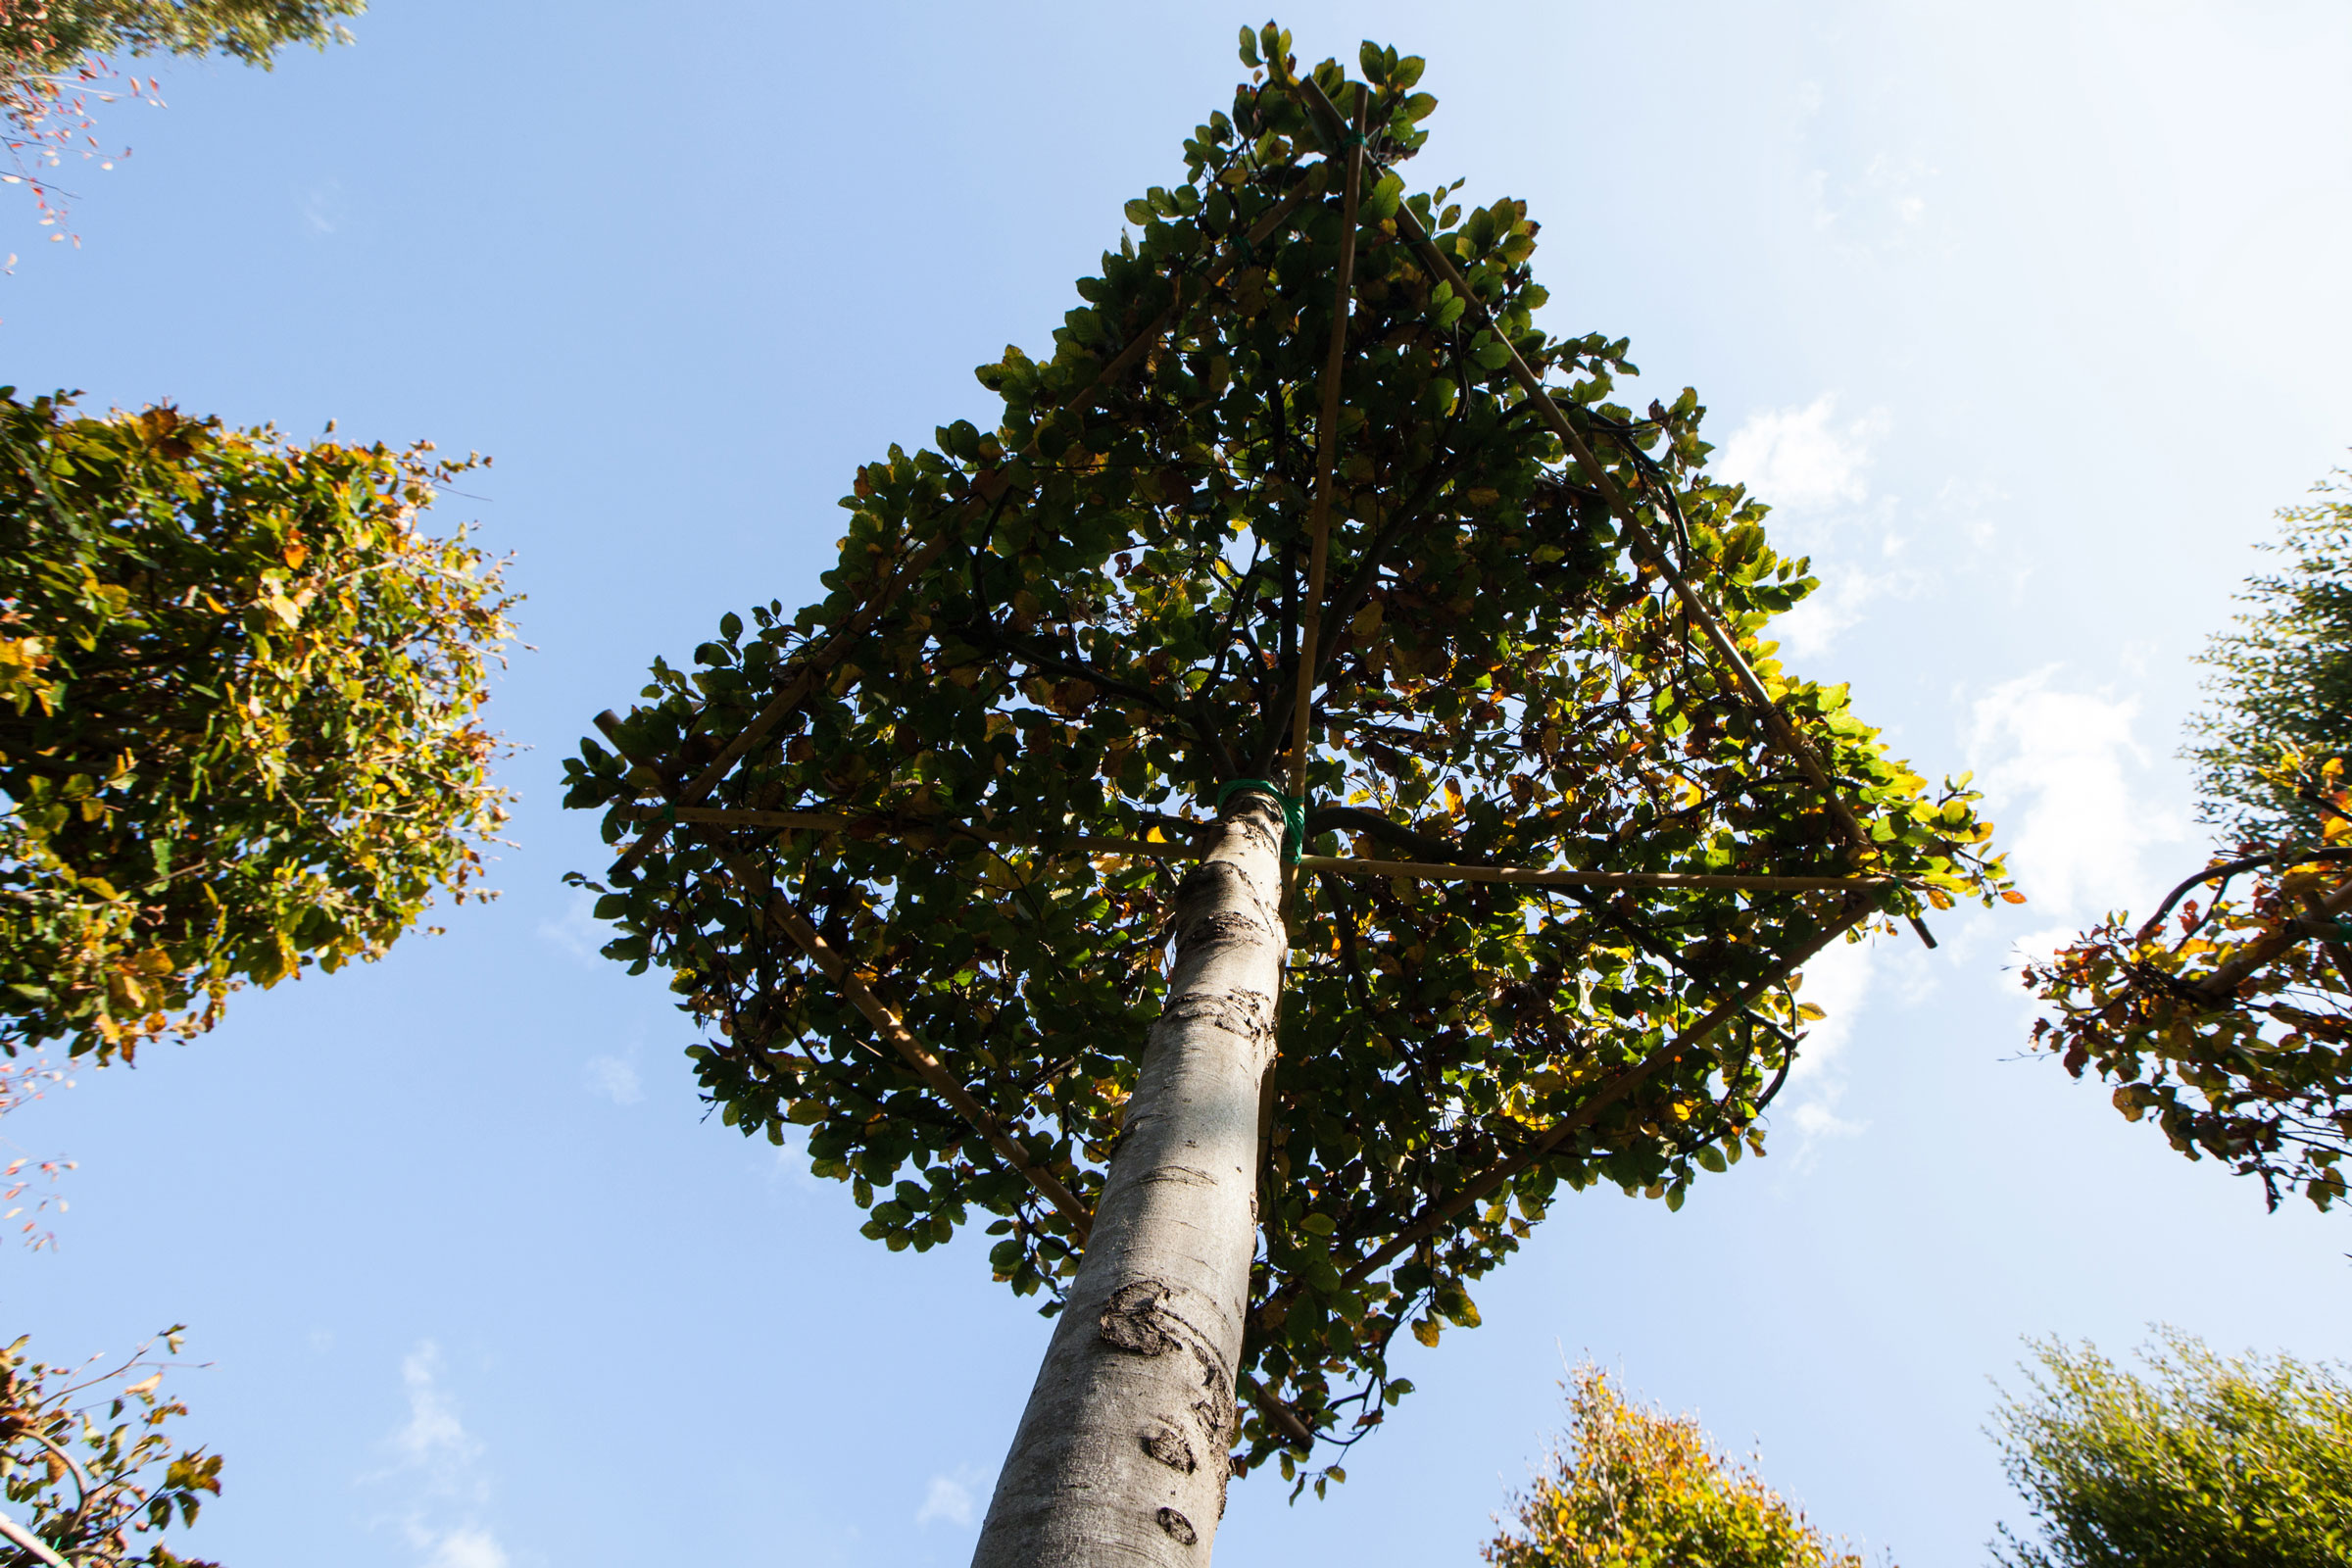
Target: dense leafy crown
{"points": [[239, 715], [1086, 621], [1636, 1487], [2198, 1461]]}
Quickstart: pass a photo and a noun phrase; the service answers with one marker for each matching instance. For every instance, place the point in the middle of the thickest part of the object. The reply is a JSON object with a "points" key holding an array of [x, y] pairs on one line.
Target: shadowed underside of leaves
{"points": [[1078, 627]]}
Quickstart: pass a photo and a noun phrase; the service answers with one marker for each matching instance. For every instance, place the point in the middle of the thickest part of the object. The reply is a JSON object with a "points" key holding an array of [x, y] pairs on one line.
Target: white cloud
{"points": [[1838, 981], [440, 1463], [2059, 771], [614, 1079], [1812, 469], [467, 1549], [576, 931], [1798, 460], [433, 1436], [1877, 210], [953, 1497]]}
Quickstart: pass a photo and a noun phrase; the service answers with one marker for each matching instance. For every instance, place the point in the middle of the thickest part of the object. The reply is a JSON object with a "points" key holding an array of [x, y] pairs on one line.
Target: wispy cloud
{"points": [[576, 930], [953, 1497], [615, 1079], [438, 1461], [1799, 459], [2061, 770], [467, 1549], [1813, 469], [1838, 981], [434, 1438]]}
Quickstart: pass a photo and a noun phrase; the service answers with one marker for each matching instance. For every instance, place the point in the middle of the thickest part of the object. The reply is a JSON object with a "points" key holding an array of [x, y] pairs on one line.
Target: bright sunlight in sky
{"points": [[2025, 317]]}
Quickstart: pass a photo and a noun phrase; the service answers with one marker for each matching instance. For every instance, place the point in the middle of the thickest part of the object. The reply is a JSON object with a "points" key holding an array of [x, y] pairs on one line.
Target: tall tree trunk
{"points": [[1122, 1454]]}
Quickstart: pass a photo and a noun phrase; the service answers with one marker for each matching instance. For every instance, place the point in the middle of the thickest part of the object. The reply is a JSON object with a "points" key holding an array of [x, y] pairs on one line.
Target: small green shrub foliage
{"points": [[2202, 1461], [1082, 622], [239, 715]]}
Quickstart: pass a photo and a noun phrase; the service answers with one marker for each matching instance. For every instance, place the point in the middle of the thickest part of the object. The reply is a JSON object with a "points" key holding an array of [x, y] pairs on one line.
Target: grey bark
{"points": [[1122, 1454]]}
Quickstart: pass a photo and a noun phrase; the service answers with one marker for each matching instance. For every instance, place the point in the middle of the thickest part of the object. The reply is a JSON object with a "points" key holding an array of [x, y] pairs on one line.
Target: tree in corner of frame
{"points": [[1312, 609], [2225, 1020]]}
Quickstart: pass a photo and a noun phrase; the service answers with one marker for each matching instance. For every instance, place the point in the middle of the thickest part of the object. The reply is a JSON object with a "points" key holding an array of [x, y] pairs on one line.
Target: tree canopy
{"points": [[1636, 1487], [2202, 1461], [86, 1453], [2229, 1020], [239, 713], [906, 853], [57, 35], [56, 55]]}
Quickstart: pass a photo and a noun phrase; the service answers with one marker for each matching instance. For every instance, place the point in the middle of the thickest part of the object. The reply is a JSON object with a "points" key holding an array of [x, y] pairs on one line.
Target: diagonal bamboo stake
{"points": [[829, 823], [1427, 872], [836, 646], [933, 1072], [1438, 1212], [1776, 723], [1327, 443], [1416, 870], [889, 1025]]}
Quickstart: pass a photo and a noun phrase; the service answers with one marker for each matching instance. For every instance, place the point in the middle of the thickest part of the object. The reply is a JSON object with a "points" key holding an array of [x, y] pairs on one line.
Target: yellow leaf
{"points": [[2337, 828], [1426, 1331], [2012, 896], [146, 1386]]}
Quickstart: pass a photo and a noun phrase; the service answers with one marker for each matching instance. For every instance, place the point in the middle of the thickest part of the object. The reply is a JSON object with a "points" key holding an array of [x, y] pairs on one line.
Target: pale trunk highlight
{"points": [[1121, 1456]]}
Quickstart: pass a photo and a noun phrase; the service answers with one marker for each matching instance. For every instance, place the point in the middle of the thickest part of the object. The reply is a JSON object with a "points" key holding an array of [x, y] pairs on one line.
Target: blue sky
{"points": [[2025, 316]]}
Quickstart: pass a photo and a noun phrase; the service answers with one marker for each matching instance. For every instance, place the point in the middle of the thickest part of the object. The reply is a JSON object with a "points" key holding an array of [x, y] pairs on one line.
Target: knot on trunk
{"points": [[1219, 905], [1131, 1319], [1166, 1445], [1247, 1013], [1178, 1526]]}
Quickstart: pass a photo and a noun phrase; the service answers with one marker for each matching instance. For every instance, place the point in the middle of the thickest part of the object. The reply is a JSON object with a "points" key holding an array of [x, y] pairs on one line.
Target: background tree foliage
{"points": [[2202, 1462], [90, 1473], [57, 55], [53, 35], [1636, 1487], [2231, 1020], [2282, 682], [1048, 646], [239, 715]]}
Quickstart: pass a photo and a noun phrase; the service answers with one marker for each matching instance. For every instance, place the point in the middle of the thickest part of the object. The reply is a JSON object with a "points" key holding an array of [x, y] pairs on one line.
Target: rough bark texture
{"points": [[1122, 1454]]}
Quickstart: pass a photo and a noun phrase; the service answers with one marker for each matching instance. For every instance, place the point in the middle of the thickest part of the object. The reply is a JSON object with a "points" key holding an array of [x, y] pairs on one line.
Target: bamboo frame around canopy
{"points": [[682, 804], [836, 648], [1099, 844], [1777, 726]]}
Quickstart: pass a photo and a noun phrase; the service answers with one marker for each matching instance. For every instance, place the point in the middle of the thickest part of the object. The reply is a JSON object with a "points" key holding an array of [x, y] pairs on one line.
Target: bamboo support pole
{"points": [[1327, 445], [836, 646], [1423, 871], [1417, 870], [1776, 723], [932, 1070]]}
